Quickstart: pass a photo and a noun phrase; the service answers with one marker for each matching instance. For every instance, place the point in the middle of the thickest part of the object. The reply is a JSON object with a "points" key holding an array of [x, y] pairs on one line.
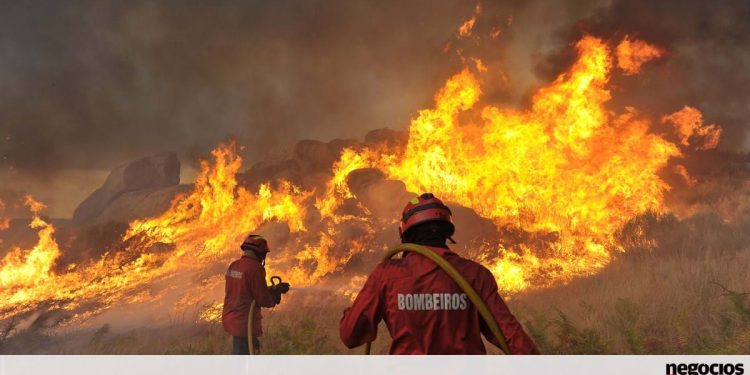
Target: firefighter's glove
{"points": [[280, 288], [283, 287], [277, 290]]}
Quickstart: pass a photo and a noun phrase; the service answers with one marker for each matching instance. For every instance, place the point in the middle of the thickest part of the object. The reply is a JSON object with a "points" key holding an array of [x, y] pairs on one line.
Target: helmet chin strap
{"points": [[426, 234], [262, 258], [254, 254]]}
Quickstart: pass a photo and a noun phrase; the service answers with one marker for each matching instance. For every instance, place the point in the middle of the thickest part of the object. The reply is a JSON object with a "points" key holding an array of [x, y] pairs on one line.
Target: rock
{"points": [[361, 180], [158, 171], [315, 181], [385, 199], [388, 137], [309, 167], [313, 156], [140, 204], [338, 145], [470, 227]]}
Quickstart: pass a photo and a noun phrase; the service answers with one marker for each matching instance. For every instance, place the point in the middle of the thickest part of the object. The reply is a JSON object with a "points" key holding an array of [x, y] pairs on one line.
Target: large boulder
{"points": [[387, 137], [386, 199], [313, 156], [141, 204], [309, 165], [154, 172]]}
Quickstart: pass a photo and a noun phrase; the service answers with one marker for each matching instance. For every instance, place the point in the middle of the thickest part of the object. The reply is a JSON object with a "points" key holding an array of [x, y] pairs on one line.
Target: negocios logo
{"points": [[705, 369]]}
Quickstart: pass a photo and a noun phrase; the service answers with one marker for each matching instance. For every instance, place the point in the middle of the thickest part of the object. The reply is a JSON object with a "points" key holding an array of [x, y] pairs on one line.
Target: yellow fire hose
{"points": [[484, 311], [250, 337]]}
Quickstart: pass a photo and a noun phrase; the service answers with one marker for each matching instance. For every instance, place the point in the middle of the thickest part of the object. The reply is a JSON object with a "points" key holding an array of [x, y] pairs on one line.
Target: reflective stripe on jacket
{"points": [[245, 282], [426, 312]]}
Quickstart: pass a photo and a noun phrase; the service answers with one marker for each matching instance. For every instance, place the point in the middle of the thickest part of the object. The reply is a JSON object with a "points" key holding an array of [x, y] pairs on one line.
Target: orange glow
{"points": [[688, 123], [466, 28], [562, 175], [495, 33], [479, 65], [631, 54], [4, 221], [200, 229], [211, 313], [22, 269], [681, 171], [566, 169]]}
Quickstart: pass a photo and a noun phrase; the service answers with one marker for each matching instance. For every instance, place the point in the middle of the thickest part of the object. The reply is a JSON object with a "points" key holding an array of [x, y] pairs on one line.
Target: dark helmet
{"points": [[256, 244], [426, 208]]}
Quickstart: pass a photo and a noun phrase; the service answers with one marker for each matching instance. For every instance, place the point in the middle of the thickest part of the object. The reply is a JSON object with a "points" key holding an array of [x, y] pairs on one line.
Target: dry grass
{"points": [[678, 289]]}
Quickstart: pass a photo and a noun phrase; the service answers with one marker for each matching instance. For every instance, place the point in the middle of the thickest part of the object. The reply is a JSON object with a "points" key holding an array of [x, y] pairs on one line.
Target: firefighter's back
{"points": [[426, 311], [237, 297]]}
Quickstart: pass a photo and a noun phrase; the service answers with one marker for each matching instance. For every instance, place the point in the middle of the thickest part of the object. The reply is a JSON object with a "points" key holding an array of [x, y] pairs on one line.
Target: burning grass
{"points": [[678, 290], [573, 191]]}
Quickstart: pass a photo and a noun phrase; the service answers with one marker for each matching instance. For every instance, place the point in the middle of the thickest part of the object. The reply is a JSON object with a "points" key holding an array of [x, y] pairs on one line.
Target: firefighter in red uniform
{"points": [[245, 283], [425, 311]]}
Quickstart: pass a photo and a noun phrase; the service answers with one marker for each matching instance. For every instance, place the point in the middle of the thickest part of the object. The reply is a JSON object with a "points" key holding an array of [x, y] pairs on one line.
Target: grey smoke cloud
{"points": [[92, 84], [89, 85], [707, 66]]}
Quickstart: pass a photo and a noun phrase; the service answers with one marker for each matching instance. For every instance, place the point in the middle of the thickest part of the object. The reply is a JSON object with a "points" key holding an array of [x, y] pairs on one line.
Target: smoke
{"points": [[118, 81], [707, 65], [90, 85]]}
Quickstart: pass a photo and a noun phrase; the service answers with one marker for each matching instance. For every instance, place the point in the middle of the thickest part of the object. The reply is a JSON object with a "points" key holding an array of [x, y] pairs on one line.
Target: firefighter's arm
{"points": [[259, 289], [518, 341], [359, 325]]}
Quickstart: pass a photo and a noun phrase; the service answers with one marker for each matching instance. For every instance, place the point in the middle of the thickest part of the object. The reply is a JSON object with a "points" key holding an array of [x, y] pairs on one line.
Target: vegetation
{"points": [[677, 287]]}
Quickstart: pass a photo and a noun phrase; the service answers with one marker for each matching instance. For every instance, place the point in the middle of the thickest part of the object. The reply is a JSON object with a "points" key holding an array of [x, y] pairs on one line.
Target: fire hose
{"points": [[250, 337], [275, 280], [484, 311]]}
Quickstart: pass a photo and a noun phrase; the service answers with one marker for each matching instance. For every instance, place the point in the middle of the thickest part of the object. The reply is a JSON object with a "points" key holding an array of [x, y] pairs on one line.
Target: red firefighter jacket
{"points": [[426, 312], [245, 282]]}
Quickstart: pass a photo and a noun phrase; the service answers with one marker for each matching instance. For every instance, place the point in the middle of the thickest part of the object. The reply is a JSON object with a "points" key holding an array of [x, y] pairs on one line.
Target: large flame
{"points": [[21, 269], [632, 54], [218, 213], [567, 168], [199, 230], [690, 129], [562, 176]]}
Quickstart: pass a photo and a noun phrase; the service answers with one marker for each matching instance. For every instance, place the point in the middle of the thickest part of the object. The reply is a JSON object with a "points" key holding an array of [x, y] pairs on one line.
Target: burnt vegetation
{"points": [[677, 287], [677, 282]]}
